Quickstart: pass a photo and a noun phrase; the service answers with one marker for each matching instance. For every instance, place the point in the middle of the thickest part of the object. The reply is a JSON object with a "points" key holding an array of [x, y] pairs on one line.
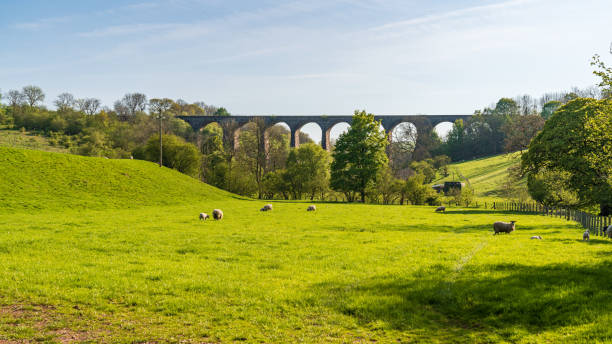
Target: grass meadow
{"points": [[106, 265]]}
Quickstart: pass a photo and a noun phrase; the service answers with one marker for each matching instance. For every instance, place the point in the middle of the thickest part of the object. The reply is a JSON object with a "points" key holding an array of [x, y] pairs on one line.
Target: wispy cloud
{"points": [[41, 23], [450, 15], [130, 29]]}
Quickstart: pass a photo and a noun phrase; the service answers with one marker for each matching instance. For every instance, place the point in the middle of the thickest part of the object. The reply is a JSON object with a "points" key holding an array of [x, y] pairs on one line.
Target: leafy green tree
{"points": [[222, 112], [418, 193], [386, 188], [424, 168], [276, 183], [178, 154], [550, 188], [307, 170], [605, 73], [577, 140], [358, 156], [506, 107]]}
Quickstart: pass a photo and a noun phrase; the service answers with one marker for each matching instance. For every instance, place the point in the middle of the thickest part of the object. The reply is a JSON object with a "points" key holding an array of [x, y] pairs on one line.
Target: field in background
{"points": [[485, 175], [18, 139], [112, 251]]}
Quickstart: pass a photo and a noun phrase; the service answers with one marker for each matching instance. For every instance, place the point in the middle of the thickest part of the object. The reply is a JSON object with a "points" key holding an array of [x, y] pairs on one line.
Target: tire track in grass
{"points": [[446, 290]]}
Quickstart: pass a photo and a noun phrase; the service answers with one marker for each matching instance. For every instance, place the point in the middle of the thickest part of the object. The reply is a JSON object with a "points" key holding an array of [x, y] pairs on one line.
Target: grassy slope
{"points": [[52, 181], [18, 139], [486, 175], [346, 273]]}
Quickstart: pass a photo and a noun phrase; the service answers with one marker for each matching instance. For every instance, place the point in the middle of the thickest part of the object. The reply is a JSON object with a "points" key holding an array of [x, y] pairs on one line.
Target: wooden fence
{"points": [[595, 224]]}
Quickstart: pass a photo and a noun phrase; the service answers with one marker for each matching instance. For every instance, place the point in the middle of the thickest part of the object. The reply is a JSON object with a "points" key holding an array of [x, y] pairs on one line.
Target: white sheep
{"points": [[586, 236], [503, 227], [266, 207], [311, 208], [204, 216], [609, 232], [536, 237], [440, 209], [217, 214]]}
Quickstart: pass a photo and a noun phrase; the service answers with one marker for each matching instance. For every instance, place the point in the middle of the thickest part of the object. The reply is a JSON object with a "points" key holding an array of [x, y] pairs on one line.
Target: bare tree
{"points": [[15, 98], [89, 106], [64, 102], [33, 94]]}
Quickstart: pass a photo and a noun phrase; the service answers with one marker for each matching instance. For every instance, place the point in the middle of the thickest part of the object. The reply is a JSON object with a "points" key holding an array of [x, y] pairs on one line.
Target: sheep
{"points": [[266, 207], [586, 236], [536, 237], [440, 209], [311, 208], [503, 227], [217, 214], [204, 216], [609, 232]]}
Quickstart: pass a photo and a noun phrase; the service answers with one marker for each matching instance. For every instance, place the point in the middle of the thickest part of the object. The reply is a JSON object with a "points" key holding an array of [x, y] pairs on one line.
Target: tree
{"points": [[88, 106], [179, 155], [130, 105], [386, 187], [33, 94], [358, 156], [506, 107], [222, 112], [15, 98], [605, 73], [307, 170], [64, 102], [577, 140], [550, 188], [520, 130]]}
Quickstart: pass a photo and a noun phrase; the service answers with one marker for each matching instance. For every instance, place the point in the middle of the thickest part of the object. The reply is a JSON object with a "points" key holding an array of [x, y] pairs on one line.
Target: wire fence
{"points": [[596, 225]]}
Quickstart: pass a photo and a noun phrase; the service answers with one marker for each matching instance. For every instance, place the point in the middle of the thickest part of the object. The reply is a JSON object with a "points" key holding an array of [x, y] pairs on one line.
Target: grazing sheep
{"points": [[204, 216], [311, 208], [266, 207], [503, 227], [608, 232], [586, 236], [217, 214], [440, 209], [536, 237]]}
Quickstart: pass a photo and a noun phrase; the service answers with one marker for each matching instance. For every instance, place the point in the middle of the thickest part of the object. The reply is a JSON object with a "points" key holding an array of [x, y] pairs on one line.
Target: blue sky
{"points": [[305, 57]]}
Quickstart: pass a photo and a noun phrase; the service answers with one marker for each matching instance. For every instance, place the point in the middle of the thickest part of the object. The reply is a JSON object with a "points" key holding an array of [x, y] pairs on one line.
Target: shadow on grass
{"points": [[593, 241], [451, 228], [500, 296]]}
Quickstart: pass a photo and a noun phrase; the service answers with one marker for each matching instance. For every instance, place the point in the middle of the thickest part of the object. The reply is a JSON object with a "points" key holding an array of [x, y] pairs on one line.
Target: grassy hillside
{"points": [[18, 139], [122, 258], [31, 179], [486, 175]]}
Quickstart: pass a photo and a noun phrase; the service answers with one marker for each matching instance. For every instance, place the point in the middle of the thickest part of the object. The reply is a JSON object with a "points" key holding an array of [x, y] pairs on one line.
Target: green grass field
{"points": [[97, 250], [18, 139], [486, 175]]}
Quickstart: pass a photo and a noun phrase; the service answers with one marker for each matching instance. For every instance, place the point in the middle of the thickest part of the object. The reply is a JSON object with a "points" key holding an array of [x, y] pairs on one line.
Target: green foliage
{"points": [[424, 168], [418, 193], [386, 189], [177, 154], [307, 170], [605, 73], [358, 156], [576, 140], [222, 112], [550, 188]]}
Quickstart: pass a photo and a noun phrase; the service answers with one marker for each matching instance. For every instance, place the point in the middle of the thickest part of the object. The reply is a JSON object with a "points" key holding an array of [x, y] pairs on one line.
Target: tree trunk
{"points": [[605, 209], [362, 196]]}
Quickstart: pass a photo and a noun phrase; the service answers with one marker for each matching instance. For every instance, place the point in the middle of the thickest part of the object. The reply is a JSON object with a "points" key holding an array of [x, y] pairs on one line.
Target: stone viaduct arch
{"points": [[231, 124]]}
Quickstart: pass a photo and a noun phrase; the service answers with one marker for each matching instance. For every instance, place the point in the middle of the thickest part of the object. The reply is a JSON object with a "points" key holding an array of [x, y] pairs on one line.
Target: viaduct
{"points": [[231, 124]]}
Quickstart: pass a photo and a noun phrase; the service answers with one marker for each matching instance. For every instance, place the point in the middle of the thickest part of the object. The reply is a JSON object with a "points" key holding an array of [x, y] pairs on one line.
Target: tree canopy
{"points": [[359, 154], [577, 139]]}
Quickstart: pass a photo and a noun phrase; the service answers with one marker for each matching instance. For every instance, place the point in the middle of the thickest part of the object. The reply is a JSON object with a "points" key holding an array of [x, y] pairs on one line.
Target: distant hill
{"points": [[19, 139], [31, 179], [485, 175]]}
